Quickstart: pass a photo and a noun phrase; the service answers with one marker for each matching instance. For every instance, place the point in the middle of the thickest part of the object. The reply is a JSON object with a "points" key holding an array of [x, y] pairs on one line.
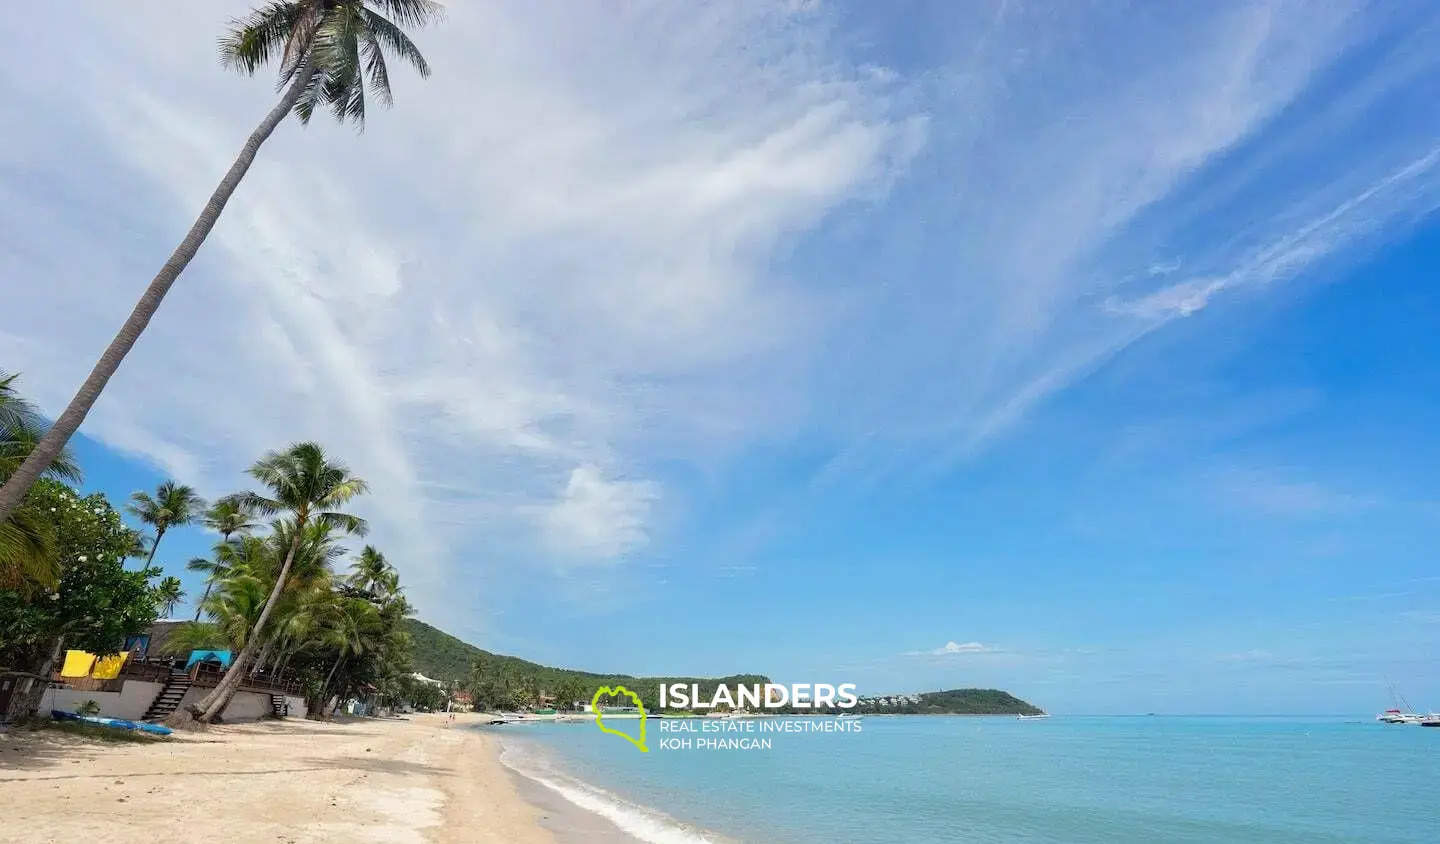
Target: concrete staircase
{"points": [[169, 698], [279, 706]]}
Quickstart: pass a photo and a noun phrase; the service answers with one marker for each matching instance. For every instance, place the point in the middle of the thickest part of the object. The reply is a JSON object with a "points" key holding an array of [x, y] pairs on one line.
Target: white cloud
{"points": [[577, 254], [954, 648], [595, 518]]}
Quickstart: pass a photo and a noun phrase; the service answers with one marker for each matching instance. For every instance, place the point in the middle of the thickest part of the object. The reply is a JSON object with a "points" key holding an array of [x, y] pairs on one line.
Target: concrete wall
{"points": [[245, 706], [135, 697], [130, 703], [297, 706]]}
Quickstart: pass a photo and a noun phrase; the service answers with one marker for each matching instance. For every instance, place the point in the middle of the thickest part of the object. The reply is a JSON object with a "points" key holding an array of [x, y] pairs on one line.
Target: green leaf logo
{"points": [[600, 718]]}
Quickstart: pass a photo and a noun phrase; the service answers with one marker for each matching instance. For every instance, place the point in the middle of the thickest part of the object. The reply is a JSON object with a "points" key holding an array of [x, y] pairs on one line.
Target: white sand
{"points": [[279, 782]]}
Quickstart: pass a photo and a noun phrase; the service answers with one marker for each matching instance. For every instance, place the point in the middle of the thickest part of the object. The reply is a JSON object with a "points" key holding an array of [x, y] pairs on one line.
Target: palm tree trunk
{"points": [[50, 445], [333, 669], [215, 702], [200, 607], [264, 656], [154, 546], [24, 704]]}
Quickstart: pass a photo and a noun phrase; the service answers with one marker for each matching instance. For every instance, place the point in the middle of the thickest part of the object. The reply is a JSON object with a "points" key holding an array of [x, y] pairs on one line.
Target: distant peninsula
{"points": [[951, 702], [506, 682]]}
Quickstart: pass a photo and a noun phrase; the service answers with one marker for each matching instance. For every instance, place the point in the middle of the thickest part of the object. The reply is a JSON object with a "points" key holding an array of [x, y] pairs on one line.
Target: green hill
{"points": [[508, 681], [952, 702], [439, 655]]}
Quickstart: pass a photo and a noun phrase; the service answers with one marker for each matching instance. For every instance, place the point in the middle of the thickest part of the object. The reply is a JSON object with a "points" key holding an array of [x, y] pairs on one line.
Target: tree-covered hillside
{"points": [[507, 682], [439, 655], [951, 702]]}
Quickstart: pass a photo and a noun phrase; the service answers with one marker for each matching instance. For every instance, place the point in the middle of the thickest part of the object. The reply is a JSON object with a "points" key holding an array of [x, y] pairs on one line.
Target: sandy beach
{"points": [[291, 781]]}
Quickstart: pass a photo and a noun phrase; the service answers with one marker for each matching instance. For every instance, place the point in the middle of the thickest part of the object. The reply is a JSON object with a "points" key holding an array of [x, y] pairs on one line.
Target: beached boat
{"points": [[112, 723]]}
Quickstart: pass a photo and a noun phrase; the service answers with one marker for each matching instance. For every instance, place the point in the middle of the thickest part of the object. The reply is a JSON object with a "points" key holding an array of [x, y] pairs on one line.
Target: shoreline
{"points": [[289, 781]]}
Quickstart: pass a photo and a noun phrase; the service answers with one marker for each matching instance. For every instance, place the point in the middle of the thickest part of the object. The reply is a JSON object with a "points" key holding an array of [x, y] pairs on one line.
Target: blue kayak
{"points": [[113, 723]]}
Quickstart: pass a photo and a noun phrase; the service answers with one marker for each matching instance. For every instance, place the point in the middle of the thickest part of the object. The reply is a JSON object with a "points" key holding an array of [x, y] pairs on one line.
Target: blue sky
{"points": [[1081, 352]]}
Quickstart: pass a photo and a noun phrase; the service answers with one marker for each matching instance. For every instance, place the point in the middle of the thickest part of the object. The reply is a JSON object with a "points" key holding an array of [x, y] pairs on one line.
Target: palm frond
{"points": [[410, 12], [262, 35], [393, 38], [28, 555], [343, 521]]}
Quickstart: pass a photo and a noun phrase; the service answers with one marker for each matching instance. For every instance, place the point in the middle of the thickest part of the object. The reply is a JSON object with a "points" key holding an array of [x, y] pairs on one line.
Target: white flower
{"points": [[83, 558]]}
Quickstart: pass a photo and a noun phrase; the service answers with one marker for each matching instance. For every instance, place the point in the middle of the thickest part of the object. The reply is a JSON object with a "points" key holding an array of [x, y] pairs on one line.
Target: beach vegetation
{"points": [[304, 488], [172, 505]]}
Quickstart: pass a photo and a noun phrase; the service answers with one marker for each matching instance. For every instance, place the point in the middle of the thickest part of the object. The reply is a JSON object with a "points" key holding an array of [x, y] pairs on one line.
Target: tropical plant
{"points": [[307, 487], [28, 555], [373, 574], [173, 505], [168, 593], [96, 603], [330, 52]]}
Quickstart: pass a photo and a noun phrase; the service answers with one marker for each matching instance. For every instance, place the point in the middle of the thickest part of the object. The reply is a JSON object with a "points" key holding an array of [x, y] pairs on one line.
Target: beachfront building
{"points": [[144, 682]]}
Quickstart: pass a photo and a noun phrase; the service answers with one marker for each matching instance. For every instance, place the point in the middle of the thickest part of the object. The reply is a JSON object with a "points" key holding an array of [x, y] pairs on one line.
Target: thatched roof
{"points": [[159, 632]]}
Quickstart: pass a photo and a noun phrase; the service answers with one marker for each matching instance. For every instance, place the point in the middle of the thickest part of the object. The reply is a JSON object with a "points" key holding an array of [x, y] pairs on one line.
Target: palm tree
{"points": [[373, 574], [213, 570], [308, 486], [330, 52], [226, 517], [173, 505], [167, 594], [27, 539]]}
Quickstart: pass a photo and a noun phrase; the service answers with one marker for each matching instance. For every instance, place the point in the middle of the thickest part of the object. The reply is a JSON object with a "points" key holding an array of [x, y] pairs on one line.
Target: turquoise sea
{"points": [[1063, 780]]}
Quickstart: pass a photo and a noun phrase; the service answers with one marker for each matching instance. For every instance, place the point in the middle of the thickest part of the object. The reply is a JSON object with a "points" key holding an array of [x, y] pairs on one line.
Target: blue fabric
{"points": [[196, 656]]}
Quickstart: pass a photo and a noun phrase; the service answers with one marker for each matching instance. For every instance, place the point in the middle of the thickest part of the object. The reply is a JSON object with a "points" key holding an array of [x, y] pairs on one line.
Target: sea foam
{"points": [[639, 822]]}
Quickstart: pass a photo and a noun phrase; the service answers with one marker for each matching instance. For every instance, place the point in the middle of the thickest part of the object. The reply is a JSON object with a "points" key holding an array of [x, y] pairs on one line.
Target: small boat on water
{"points": [[1431, 720], [112, 723], [1396, 715], [1033, 717]]}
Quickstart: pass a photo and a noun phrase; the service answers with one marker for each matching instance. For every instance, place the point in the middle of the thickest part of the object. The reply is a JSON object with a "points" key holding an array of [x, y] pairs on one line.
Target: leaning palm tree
{"points": [[173, 505], [27, 539], [330, 53], [307, 486]]}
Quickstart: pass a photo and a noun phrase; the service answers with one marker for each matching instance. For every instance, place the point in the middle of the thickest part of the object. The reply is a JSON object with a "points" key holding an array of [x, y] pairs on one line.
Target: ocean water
{"points": [[1063, 780]]}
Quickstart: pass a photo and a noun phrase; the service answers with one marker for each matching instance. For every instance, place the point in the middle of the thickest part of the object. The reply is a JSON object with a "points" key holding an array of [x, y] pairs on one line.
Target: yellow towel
{"points": [[77, 664], [108, 668]]}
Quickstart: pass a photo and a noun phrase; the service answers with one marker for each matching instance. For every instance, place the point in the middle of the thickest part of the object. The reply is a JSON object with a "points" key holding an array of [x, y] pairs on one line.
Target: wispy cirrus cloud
{"points": [[645, 235]]}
